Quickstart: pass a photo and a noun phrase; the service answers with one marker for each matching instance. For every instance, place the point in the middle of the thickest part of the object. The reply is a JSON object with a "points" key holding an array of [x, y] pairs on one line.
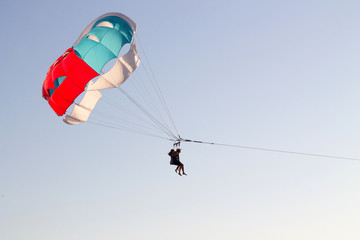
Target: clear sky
{"points": [[269, 74]]}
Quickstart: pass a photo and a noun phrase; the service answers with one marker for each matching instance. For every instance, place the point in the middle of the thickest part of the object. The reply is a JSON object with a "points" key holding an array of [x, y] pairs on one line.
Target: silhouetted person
{"points": [[175, 160]]}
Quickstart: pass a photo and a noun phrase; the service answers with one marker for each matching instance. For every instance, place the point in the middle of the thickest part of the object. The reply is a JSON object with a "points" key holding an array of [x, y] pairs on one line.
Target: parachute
{"points": [[72, 74], [80, 73]]}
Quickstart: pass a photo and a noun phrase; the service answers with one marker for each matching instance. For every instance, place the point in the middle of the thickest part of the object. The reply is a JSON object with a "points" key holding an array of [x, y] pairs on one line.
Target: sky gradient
{"points": [[269, 74]]}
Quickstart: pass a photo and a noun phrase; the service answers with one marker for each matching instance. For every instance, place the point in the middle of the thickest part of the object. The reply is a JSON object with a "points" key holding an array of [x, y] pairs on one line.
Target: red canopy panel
{"points": [[77, 74]]}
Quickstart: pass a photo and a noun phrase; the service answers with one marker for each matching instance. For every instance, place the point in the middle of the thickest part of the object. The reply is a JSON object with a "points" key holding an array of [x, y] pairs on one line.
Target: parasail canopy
{"points": [[73, 73]]}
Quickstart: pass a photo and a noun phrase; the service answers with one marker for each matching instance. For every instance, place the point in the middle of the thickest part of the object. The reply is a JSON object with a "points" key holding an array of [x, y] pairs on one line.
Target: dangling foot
{"points": [[184, 174], [180, 174]]}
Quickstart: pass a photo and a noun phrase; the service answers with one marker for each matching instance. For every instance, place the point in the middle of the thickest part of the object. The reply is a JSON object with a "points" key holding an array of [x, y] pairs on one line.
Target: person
{"points": [[175, 160]]}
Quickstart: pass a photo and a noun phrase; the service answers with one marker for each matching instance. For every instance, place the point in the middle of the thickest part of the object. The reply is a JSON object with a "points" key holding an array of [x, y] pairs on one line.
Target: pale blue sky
{"points": [[273, 74]]}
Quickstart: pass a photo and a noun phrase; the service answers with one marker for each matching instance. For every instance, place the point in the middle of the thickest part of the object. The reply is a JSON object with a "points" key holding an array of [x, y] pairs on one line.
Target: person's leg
{"points": [[182, 168], [179, 170]]}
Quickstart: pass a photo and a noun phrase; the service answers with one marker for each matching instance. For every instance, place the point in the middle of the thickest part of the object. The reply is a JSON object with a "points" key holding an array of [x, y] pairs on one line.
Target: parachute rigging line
{"points": [[154, 122], [268, 149], [156, 85], [104, 124], [126, 125], [149, 115]]}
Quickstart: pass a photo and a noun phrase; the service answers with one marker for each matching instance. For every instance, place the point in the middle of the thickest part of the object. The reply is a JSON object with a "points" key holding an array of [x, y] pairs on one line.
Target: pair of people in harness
{"points": [[175, 159]]}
